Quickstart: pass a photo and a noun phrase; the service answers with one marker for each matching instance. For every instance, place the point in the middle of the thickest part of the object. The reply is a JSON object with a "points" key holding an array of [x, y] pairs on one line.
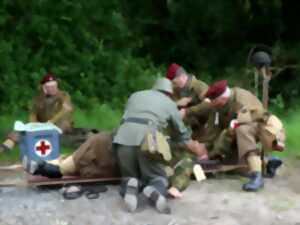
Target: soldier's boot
{"points": [[131, 192], [47, 170], [272, 165], [255, 183], [41, 168], [159, 201], [29, 165]]}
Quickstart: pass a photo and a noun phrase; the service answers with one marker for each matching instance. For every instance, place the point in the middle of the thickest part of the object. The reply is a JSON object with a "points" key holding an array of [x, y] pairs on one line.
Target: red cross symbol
{"points": [[43, 147]]}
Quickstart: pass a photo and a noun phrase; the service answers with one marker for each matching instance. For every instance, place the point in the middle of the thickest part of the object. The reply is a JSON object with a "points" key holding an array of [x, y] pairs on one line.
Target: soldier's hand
{"points": [[184, 101], [199, 149], [174, 192], [182, 113]]}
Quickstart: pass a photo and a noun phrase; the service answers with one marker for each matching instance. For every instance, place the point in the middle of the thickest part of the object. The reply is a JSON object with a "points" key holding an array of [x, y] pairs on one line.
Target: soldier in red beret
{"points": [[51, 105], [189, 96], [237, 121]]}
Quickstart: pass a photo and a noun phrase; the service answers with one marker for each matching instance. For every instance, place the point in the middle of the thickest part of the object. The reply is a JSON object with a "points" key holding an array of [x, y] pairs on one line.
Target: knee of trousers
{"points": [[161, 184]]}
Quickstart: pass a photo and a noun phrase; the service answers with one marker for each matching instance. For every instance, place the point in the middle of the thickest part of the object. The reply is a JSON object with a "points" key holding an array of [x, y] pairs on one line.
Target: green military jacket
{"points": [[56, 109], [154, 106], [242, 106], [195, 89]]}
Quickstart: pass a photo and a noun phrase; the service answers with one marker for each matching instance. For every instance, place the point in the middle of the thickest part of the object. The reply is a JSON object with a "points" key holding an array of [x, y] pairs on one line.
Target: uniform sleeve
{"points": [[65, 110], [200, 88], [200, 109], [249, 109], [183, 133]]}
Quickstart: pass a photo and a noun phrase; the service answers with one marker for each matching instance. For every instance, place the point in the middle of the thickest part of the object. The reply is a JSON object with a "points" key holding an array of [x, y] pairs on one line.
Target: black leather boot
{"points": [[47, 170], [272, 165], [256, 182]]}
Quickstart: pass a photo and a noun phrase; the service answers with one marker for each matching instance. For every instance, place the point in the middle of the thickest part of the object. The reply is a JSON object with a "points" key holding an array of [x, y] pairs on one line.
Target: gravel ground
{"points": [[217, 201]]}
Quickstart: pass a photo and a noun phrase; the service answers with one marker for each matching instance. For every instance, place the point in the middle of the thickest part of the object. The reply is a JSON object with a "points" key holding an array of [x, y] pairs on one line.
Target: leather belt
{"points": [[135, 120]]}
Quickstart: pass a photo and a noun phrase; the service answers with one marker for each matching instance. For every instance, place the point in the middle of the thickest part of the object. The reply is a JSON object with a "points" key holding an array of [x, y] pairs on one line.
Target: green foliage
{"points": [[102, 117], [102, 51], [291, 124], [88, 46], [105, 50]]}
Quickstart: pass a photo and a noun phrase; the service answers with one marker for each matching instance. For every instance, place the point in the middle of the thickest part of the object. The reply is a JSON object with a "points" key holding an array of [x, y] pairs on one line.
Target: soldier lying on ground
{"points": [[236, 125], [95, 158], [55, 106]]}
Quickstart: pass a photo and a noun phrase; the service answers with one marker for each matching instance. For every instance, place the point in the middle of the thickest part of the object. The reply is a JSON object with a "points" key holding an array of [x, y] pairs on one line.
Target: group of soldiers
{"points": [[163, 132]]}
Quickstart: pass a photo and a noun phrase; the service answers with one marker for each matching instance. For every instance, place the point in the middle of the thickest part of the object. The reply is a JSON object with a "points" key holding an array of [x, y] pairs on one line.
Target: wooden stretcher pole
{"points": [[266, 82], [265, 98]]}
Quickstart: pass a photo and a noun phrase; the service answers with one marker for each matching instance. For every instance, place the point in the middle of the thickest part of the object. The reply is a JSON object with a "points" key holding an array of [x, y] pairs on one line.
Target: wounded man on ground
{"points": [[95, 158]]}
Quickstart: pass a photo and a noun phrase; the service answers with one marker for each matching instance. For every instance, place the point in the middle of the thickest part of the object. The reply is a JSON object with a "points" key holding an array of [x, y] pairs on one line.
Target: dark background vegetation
{"points": [[104, 50]]}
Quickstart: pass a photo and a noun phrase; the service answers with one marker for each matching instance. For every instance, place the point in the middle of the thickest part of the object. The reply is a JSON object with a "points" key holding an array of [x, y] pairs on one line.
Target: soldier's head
{"points": [[272, 135], [163, 85], [177, 75], [49, 85], [218, 93]]}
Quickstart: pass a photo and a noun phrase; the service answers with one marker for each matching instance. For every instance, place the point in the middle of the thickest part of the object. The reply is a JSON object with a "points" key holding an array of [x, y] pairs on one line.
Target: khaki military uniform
{"points": [[197, 109], [56, 109], [94, 157], [249, 112]]}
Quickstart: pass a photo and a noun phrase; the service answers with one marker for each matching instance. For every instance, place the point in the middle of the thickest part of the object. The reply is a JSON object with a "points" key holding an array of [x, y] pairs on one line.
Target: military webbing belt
{"points": [[135, 120]]}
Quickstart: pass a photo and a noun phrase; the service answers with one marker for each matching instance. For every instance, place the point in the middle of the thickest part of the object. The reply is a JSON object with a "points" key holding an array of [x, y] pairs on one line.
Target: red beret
{"points": [[216, 89], [171, 73], [48, 77]]}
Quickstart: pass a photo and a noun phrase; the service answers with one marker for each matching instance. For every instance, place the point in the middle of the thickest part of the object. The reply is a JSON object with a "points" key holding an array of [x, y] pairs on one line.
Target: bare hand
{"points": [[183, 102], [182, 113], [174, 192], [199, 149]]}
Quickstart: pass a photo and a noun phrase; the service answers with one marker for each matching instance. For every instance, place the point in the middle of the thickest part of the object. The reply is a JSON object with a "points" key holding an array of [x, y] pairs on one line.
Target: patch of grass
{"points": [[103, 117], [292, 128]]}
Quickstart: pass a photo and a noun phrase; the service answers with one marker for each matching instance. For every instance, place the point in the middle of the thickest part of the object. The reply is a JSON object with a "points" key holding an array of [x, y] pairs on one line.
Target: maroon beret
{"points": [[171, 73], [48, 77], [216, 89]]}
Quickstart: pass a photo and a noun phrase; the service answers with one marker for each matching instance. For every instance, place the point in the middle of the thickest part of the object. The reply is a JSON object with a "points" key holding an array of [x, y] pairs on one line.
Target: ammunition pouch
{"points": [[155, 145]]}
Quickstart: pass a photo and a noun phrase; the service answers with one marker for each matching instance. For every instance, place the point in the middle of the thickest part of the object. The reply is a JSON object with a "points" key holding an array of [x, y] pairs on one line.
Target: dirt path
{"points": [[212, 202]]}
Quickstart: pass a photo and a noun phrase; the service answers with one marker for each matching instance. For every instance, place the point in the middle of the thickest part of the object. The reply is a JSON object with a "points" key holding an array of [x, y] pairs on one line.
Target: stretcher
{"points": [[27, 180]]}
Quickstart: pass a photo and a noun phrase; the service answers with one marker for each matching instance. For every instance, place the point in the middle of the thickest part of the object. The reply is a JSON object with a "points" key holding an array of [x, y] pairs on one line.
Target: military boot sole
{"points": [[130, 197], [159, 201]]}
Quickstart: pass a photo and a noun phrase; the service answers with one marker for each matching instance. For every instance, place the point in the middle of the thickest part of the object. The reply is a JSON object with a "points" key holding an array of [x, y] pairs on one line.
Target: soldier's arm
{"points": [[32, 117], [247, 113], [182, 131], [65, 110], [200, 88], [200, 109]]}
